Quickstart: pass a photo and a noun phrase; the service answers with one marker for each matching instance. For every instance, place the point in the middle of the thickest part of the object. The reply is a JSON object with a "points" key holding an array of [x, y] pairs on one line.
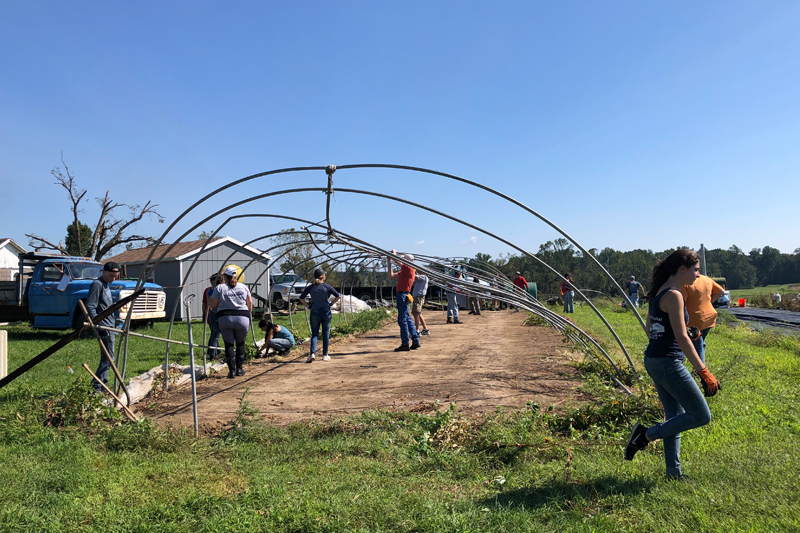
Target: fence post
{"points": [[3, 354]]}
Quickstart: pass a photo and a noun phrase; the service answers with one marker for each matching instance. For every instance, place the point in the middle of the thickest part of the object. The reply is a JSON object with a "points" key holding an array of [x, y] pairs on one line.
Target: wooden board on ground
{"points": [[488, 361]]}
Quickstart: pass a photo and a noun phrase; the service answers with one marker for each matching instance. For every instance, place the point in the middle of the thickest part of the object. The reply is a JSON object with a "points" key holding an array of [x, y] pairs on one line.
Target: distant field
{"points": [[769, 289]]}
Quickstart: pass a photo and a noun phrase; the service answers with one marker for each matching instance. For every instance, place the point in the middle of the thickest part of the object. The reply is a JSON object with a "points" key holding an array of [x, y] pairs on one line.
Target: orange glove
{"points": [[710, 383], [410, 300]]}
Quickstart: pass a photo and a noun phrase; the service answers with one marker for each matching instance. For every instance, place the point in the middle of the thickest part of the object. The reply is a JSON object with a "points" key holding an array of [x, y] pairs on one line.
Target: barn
{"points": [[185, 269]]}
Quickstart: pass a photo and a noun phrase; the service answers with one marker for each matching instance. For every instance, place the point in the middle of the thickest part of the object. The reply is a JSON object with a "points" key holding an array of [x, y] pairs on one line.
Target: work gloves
{"points": [[410, 299], [709, 382]]}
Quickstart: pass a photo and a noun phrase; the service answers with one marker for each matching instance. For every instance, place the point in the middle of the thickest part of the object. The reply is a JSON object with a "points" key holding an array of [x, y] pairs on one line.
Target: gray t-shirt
{"points": [[420, 286], [231, 298]]}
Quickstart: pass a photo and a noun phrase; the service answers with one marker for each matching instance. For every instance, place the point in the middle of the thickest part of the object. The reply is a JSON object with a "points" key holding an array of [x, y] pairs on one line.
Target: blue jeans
{"points": [[452, 305], [684, 406], [634, 299], [281, 344], [107, 338], [700, 344], [320, 316], [569, 296], [404, 320], [213, 336]]}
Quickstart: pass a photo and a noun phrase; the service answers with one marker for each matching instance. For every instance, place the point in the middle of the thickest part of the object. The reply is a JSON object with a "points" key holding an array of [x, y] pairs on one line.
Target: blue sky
{"points": [[628, 124]]}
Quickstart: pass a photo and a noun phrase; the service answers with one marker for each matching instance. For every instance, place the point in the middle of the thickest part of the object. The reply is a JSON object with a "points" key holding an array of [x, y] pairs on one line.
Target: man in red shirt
{"points": [[405, 280], [521, 284]]}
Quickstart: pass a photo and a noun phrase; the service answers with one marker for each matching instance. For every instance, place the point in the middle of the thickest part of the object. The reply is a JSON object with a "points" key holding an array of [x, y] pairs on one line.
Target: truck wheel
{"points": [[77, 318], [365, 296], [278, 302]]}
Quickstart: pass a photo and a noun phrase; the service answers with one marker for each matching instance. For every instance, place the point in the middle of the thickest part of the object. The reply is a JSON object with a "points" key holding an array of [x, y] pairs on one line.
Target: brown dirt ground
{"points": [[488, 361]]}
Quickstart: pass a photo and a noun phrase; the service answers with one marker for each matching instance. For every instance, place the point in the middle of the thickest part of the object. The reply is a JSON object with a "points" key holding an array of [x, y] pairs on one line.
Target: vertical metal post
{"points": [[703, 257], [3, 353], [187, 302]]}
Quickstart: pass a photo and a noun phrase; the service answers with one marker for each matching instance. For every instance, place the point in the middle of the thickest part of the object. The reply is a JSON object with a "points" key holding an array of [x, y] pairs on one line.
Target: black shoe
{"points": [[231, 374], [240, 371], [449, 320], [414, 346], [456, 321], [231, 367], [402, 348], [637, 441]]}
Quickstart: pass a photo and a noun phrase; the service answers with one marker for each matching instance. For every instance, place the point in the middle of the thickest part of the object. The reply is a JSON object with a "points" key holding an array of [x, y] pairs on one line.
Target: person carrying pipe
{"points": [[234, 307], [405, 281], [452, 301], [418, 291]]}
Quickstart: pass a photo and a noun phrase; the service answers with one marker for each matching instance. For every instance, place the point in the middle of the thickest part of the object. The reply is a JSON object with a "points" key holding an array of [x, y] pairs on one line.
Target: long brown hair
{"points": [[664, 269], [230, 280]]}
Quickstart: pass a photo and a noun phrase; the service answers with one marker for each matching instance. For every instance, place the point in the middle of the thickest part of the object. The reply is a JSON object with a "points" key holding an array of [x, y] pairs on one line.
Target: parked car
{"points": [[285, 288]]}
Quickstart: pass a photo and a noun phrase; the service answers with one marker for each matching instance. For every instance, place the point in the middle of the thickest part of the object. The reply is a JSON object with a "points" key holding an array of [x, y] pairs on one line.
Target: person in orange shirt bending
{"points": [[702, 315]]}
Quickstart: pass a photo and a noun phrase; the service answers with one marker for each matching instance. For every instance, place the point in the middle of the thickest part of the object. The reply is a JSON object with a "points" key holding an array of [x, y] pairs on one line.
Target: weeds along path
{"points": [[488, 361]]}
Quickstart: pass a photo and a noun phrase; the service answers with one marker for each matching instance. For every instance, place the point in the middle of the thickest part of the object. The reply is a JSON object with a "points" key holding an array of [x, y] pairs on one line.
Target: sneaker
{"points": [[326, 357], [414, 346], [637, 441], [311, 358], [402, 348], [424, 332], [240, 371]]}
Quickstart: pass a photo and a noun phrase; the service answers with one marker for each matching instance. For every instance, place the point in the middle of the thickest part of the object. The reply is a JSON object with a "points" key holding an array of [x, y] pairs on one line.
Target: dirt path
{"points": [[489, 360]]}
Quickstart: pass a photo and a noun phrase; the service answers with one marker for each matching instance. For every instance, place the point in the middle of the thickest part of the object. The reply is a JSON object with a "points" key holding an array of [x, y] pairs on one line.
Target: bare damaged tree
{"points": [[109, 232]]}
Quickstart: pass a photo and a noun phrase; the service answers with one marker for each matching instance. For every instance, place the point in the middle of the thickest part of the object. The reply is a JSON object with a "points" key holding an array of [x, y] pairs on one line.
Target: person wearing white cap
{"points": [[405, 280], [234, 307]]}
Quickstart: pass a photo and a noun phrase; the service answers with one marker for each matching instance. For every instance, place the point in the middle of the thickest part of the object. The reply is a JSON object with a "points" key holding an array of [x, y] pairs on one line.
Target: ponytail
{"points": [[664, 269], [319, 280], [230, 281]]}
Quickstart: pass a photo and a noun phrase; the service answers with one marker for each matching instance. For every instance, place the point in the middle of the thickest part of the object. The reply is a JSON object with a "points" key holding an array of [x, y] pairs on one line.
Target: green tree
{"points": [[78, 239]]}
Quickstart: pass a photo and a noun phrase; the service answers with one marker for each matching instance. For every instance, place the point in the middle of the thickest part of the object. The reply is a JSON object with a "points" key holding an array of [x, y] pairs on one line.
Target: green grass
{"points": [[789, 288], [535, 469]]}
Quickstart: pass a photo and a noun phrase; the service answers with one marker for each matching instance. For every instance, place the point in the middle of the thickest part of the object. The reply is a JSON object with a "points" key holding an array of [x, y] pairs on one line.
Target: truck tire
{"points": [[365, 296], [77, 317], [278, 302]]}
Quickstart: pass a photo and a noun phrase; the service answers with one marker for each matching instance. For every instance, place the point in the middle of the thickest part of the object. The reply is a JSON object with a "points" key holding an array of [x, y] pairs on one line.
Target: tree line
{"points": [[762, 266]]}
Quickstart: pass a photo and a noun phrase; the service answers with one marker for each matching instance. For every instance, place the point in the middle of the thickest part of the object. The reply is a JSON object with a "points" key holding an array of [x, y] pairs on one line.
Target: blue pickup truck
{"points": [[49, 287]]}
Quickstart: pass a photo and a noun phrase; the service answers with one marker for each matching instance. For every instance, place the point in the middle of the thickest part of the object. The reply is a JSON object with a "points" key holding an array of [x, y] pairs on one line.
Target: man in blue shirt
{"points": [[98, 300], [634, 287]]}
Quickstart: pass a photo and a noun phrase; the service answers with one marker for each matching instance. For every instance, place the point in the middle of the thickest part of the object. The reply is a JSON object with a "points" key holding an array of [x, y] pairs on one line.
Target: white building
{"points": [[9, 258]]}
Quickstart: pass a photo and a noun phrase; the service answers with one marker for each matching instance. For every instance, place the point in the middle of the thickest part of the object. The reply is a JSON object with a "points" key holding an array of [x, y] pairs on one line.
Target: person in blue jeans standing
{"points": [[568, 294], [320, 305], [668, 347], [405, 281], [97, 301]]}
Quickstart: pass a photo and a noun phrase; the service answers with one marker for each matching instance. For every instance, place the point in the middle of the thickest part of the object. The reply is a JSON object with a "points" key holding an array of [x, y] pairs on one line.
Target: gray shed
{"points": [[172, 270]]}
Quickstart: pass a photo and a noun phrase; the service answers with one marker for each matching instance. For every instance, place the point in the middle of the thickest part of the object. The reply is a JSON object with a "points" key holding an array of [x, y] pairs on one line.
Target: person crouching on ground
{"points": [[320, 305], [419, 290], [279, 338], [684, 405], [405, 280], [234, 305]]}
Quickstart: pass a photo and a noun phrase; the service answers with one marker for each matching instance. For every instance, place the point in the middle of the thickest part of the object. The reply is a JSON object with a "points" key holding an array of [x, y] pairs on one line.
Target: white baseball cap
{"points": [[230, 271]]}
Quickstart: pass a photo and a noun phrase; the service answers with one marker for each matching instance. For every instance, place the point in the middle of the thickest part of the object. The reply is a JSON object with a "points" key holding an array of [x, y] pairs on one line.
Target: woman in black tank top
{"points": [[684, 405]]}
